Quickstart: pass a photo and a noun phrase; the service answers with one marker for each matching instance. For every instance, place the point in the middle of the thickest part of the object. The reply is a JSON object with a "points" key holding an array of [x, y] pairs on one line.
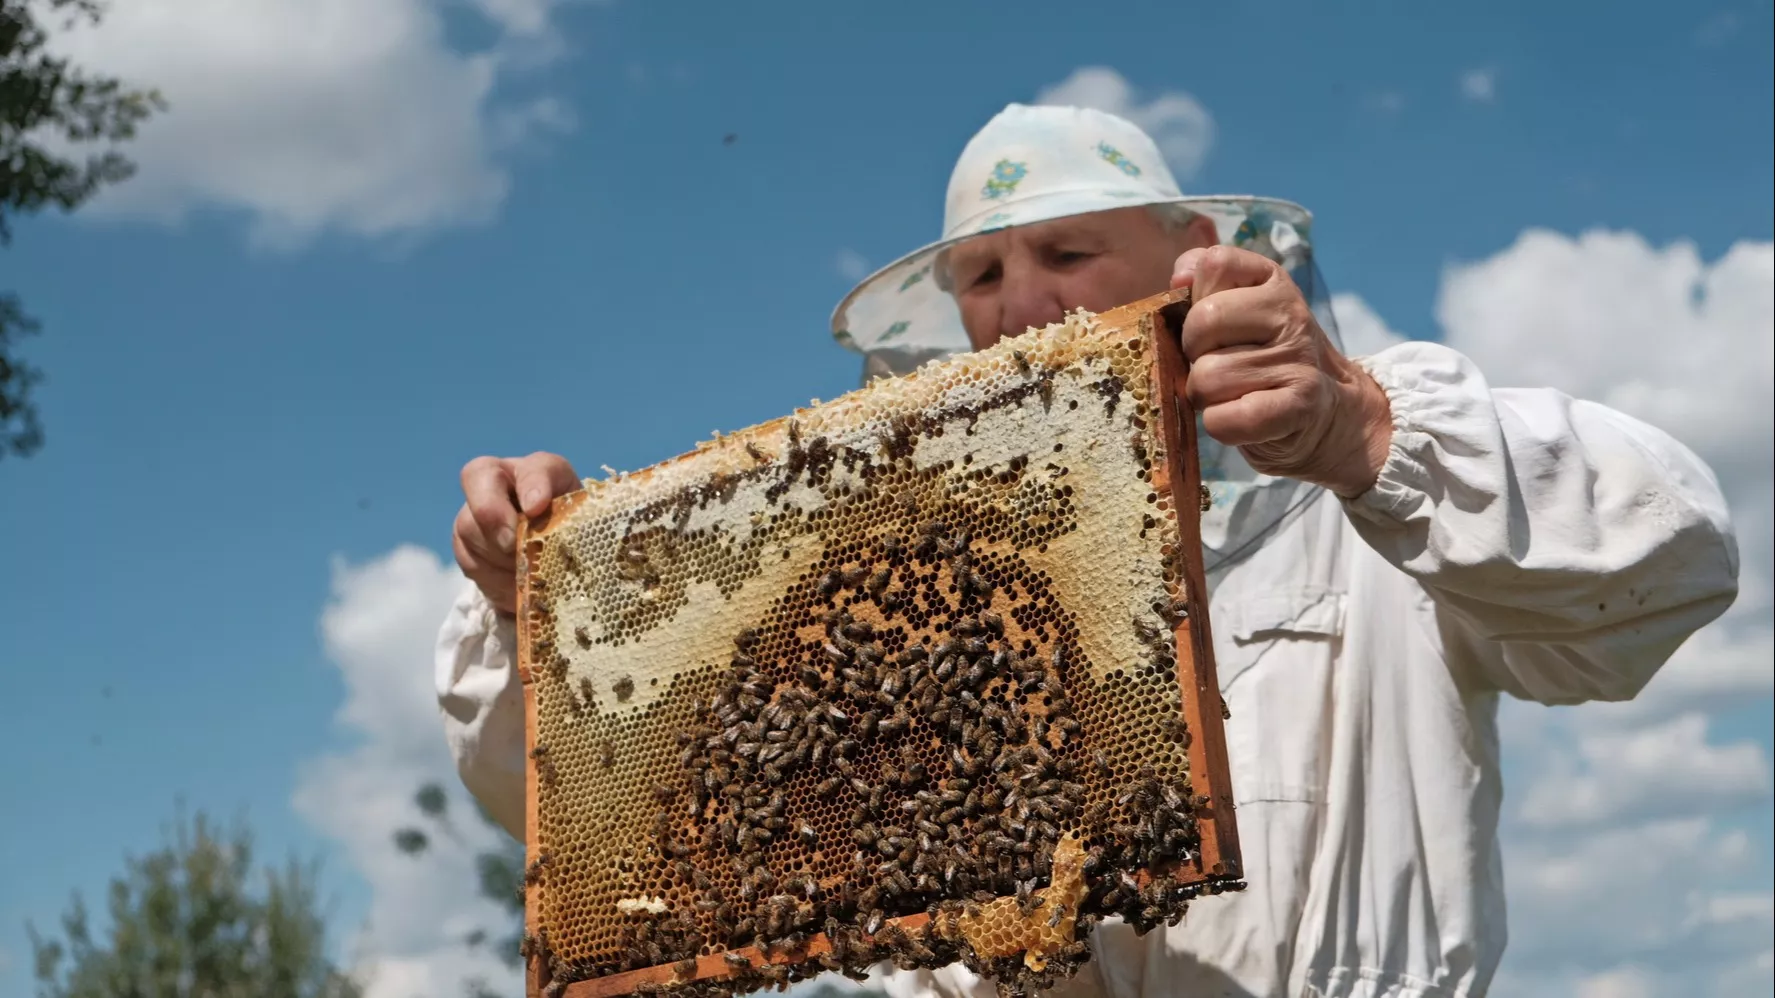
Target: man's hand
{"points": [[1267, 379], [499, 490]]}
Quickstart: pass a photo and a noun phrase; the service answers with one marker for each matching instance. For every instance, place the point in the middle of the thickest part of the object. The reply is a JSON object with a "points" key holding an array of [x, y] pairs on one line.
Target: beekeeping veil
{"points": [[1035, 164]]}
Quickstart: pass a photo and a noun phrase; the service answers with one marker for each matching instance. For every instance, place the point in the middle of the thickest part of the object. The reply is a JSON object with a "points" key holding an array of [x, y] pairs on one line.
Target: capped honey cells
{"points": [[895, 678]]}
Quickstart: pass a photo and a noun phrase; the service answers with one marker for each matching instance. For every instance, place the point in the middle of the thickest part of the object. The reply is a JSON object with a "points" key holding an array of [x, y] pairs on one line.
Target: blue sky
{"points": [[335, 283]]}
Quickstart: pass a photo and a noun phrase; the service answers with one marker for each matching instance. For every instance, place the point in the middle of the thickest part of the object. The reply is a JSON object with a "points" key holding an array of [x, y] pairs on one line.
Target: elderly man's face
{"points": [[1006, 282]]}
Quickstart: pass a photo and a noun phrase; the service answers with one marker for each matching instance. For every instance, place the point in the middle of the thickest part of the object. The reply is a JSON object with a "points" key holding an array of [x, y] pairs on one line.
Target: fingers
{"points": [[1259, 417], [1237, 317], [1183, 272], [1214, 269], [493, 571], [540, 478], [1227, 374], [488, 484], [484, 537]]}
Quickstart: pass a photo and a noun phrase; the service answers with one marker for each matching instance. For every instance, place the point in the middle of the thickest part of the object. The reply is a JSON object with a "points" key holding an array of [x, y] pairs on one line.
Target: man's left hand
{"points": [[1267, 379]]}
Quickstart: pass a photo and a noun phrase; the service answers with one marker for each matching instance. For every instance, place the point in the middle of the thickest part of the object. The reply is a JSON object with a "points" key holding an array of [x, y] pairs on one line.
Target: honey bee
{"points": [[753, 452], [624, 687], [1022, 361], [544, 764], [533, 872]]}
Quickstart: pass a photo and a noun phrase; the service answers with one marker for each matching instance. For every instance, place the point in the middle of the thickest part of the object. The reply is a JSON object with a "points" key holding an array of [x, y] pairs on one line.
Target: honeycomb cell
{"points": [[823, 679]]}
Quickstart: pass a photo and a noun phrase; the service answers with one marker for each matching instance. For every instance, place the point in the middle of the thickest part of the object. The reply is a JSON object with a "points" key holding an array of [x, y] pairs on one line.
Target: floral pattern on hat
{"points": [[1006, 175], [1115, 158], [996, 220]]}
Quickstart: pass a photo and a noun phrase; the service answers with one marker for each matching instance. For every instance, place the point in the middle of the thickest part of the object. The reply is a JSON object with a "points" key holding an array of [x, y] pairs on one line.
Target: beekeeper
{"points": [[1393, 543]]}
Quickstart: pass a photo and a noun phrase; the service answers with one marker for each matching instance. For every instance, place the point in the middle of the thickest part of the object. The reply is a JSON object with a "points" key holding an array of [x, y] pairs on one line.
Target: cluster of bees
{"points": [[957, 764]]}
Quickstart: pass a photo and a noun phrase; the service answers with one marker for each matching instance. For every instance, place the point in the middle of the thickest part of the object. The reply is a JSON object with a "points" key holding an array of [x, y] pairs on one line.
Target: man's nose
{"points": [[1029, 302]]}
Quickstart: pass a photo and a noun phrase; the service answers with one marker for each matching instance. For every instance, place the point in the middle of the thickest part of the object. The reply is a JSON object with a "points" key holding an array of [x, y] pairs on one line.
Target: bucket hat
{"points": [[1035, 164]]}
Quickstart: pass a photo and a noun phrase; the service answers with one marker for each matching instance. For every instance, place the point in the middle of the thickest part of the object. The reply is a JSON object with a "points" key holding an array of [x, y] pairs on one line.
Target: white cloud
{"points": [[1480, 85], [851, 266], [1729, 909], [1363, 331], [1586, 904], [1655, 332], [1178, 123], [315, 116], [378, 629], [1609, 775], [1623, 982]]}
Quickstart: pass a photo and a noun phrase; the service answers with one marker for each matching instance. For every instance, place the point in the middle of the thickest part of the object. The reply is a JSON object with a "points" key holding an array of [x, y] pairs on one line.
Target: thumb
{"points": [[1183, 272]]}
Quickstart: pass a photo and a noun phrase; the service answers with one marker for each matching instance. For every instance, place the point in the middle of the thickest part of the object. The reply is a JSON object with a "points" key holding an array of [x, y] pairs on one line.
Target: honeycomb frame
{"points": [[1017, 933]]}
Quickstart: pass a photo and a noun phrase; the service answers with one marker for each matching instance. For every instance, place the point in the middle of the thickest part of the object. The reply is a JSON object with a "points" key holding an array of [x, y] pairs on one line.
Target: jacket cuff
{"points": [[1431, 392]]}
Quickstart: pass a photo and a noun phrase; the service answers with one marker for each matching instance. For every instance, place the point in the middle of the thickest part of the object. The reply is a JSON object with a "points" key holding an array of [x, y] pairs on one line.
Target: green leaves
{"points": [[48, 106], [196, 917]]}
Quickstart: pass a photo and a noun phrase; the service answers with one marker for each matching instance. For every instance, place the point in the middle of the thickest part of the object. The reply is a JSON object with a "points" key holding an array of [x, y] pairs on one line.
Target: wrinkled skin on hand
{"points": [[1267, 379]]}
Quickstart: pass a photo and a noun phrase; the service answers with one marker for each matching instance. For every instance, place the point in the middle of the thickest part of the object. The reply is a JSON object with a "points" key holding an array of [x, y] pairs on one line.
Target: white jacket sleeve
{"points": [[482, 701], [1575, 546]]}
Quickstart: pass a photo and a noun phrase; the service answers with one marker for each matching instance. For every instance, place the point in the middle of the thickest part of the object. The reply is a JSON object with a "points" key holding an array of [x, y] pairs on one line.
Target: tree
{"points": [[187, 921], [48, 106], [499, 872]]}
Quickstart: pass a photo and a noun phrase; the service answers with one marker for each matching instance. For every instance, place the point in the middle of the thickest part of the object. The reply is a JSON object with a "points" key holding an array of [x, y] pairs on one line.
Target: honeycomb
{"points": [[912, 675]]}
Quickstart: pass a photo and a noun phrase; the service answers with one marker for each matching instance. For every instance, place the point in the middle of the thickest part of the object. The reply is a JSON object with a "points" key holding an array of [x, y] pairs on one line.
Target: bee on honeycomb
{"points": [[865, 684]]}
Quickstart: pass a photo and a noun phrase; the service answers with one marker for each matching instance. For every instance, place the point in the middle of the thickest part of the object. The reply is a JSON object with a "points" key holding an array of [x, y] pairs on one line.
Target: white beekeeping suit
{"points": [[1517, 541]]}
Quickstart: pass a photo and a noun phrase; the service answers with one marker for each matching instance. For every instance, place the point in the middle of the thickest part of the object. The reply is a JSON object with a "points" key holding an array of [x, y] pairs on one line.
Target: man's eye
{"points": [[1072, 256], [985, 277]]}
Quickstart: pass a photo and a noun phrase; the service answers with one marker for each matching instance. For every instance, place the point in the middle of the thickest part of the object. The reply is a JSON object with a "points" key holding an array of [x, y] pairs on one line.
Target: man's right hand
{"points": [[498, 490]]}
